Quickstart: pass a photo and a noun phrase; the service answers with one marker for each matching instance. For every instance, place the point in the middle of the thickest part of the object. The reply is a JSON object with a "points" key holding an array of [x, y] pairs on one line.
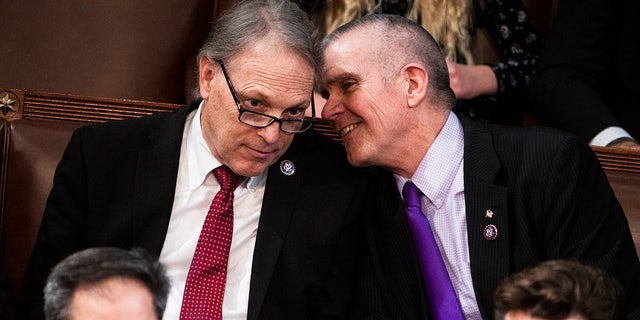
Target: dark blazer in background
{"points": [[550, 200], [115, 187], [588, 73]]}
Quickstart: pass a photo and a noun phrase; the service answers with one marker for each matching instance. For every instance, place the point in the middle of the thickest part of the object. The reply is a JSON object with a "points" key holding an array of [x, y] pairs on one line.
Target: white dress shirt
{"points": [[606, 136], [440, 177], [195, 188]]}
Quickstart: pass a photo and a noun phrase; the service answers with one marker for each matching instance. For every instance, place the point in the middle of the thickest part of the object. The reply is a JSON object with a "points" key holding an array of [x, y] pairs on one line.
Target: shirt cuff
{"points": [[607, 135]]}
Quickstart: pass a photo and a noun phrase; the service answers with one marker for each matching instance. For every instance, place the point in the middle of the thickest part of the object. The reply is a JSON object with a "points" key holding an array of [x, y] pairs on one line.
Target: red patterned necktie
{"points": [[206, 281]]}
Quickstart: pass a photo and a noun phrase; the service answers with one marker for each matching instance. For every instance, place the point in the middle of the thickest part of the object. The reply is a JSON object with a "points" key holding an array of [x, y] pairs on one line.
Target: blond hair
{"points": [[449, 21]]}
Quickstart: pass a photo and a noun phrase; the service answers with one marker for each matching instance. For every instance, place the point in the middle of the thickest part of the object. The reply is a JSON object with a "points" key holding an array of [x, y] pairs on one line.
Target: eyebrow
{"points": [[262, 97], [333, 80]]}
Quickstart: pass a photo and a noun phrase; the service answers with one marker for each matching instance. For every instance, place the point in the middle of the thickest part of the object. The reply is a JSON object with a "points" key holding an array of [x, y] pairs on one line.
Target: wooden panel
{"points": [[616, 159], [17, 104], [623, 171], [325, 127]]}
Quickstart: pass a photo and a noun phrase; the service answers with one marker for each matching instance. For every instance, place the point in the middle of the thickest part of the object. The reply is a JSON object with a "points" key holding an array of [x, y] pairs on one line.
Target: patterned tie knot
{"points": [[227, 179], [411, 194]]}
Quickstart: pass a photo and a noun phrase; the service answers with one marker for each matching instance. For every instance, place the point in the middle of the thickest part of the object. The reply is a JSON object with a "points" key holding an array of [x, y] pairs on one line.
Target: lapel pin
{"points": [[490, 232], [488, 214], [287, 167]]}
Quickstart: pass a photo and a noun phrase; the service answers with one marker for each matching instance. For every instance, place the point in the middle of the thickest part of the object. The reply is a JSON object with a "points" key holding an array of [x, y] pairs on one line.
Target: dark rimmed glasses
{"points": [[261, 120]]}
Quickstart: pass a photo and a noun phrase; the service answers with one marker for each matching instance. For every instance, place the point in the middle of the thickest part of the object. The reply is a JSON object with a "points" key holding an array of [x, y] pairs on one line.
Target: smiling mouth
{"points": [[346, 130]]}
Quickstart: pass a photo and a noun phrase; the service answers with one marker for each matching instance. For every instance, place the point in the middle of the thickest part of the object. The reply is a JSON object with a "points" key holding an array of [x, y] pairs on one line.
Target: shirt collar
{"points": [[200, 159], [438, 169]]}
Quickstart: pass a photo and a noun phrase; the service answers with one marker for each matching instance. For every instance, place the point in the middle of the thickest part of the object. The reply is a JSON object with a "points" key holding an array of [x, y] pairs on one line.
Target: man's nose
{"points": [[332, 108], [270, 133]]}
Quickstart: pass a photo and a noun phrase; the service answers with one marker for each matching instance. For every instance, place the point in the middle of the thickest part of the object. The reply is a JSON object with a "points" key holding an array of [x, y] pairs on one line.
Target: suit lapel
{"points": [[156, 175], [393, 256], [281, 194], [489, 258]]}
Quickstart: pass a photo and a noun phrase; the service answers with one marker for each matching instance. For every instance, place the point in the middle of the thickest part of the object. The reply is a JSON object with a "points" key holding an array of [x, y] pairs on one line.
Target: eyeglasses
{"points": [[261, 120]]}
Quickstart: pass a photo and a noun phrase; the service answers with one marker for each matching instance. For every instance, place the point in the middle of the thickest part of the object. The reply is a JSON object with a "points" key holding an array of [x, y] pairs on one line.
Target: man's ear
{"points": [[418, 80], [206, 70]]}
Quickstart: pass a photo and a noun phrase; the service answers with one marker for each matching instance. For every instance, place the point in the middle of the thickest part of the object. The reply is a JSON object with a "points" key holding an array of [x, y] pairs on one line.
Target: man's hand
{"points": [[469, 82]]}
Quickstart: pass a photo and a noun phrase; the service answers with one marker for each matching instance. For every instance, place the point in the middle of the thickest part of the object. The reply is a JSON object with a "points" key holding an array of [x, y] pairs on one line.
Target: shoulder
{"points": [[538, 138], [519, 146], [135, 128], [511, 137]]}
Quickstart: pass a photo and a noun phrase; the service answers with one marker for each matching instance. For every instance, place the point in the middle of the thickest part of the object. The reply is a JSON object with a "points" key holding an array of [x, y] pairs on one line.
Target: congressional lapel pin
{"points": [[490, 232], [287, 167], [488, 214]]}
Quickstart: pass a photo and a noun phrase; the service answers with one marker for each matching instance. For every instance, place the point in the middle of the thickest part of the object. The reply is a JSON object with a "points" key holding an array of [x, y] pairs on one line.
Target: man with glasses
{"points": [[280, 245]]}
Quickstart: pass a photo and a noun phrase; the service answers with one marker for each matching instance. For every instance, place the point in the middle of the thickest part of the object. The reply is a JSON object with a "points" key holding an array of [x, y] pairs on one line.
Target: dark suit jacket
{"points": [[588, 74], [550, 200], [115, 187]]}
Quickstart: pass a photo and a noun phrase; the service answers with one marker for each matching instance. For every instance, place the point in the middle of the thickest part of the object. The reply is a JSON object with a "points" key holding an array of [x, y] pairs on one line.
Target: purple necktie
{"points": [[443, 302]]}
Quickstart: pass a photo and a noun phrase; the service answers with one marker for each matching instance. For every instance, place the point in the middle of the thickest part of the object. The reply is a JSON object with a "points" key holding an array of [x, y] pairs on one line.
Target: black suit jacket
{"points": [[115, 187], [588, 74], [550, 200]]}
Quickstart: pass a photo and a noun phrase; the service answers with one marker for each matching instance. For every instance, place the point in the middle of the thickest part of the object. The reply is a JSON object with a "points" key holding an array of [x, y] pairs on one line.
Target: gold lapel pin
{"points": [[488, 214]]}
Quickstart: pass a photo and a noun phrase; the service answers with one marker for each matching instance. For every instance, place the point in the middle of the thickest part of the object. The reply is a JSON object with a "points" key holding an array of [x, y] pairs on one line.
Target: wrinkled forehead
{"points": [[273, 60]]}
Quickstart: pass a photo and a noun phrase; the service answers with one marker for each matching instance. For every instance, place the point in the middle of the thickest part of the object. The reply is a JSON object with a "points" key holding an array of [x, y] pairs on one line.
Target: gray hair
{"points": [[251, 20], [403, 41], [94, 265]]}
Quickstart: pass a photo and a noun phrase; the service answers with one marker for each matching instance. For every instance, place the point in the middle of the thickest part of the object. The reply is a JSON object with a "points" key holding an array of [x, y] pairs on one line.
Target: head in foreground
{"points": [[559, 290], [106, 283]]}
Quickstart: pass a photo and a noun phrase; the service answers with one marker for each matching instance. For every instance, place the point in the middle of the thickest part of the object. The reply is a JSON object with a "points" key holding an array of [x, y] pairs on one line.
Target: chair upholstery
{"points": [[32, 151], [35, 127]]}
